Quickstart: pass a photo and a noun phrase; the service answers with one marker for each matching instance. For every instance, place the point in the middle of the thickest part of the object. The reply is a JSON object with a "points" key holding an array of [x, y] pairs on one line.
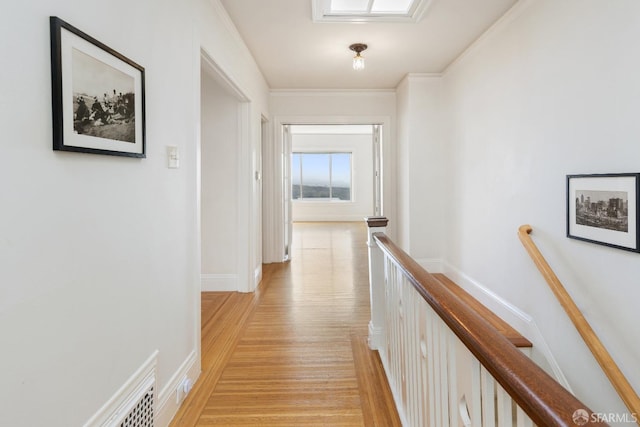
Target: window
{"points": [[321, 176], [368, 10], [366, 7]]}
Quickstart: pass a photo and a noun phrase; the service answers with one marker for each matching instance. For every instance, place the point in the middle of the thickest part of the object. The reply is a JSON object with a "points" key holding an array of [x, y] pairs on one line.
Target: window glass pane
{"points": [[338, 6], [295, 176], [391, 6], [315, 176], [341, 176]]}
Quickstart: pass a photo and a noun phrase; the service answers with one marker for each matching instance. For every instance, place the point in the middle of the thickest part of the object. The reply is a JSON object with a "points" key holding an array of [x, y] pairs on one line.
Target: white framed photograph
{"points": [[603, 209], [98, 95]]}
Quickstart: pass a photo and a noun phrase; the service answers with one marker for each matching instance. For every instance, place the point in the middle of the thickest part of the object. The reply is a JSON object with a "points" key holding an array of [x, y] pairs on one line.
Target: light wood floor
{"points": [[294, 353]]}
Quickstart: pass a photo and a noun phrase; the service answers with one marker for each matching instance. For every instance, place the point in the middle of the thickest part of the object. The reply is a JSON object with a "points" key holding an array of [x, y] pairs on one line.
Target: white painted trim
{"points": [[511, 314], [232, 30], [274, 235], [421, 76], [196, 284], [325, 93], [219, 282], [244, 174], [511, 14], [167, 405], [214, 71], [114, 407], [257, 276], [245, 237], [395, 392], [415, 14], [376, 338], [328, 218], [269, 252]]}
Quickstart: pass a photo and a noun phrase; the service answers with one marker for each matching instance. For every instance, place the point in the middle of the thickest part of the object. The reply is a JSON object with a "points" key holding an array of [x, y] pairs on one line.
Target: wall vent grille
{"points": [[141, 415], [134, 404]]}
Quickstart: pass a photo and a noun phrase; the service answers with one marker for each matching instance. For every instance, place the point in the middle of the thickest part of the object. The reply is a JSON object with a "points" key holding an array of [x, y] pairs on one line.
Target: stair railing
{"points": [[602, 356], [446, 365]]}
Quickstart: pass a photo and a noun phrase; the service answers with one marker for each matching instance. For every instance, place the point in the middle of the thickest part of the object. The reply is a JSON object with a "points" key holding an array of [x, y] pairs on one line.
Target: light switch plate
{"points": [[173, 157]]}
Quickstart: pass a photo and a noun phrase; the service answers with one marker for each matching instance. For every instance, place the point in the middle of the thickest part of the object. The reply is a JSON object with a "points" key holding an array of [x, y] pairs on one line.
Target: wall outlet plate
{"points": [[184, 387]]}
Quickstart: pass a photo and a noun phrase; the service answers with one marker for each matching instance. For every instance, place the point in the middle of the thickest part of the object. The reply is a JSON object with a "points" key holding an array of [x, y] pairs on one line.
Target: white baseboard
{"points": [[395, 391], [328, 218], [257, 276], [112, 409], [167, 405], [219, 282], [375, 339], [511, 314]]}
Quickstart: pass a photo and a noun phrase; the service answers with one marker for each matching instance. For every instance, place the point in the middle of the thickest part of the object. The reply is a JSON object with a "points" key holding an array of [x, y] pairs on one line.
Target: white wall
{"points": [[225, 50], [361, 148], [421, 195], [99, 255], [219, 188], [552, 90]]}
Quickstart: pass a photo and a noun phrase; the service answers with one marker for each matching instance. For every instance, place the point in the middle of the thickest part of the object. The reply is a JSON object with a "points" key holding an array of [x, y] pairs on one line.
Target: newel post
{"points": [[376, 224]]}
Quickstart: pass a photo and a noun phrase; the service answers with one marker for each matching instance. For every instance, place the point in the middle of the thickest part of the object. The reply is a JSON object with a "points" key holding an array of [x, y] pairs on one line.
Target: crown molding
{"points": [[330, 92], [509, 16]]}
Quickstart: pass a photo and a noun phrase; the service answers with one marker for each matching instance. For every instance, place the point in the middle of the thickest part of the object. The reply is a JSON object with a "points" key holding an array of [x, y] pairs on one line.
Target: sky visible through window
{"points": [[321, 176], [364, 6]]}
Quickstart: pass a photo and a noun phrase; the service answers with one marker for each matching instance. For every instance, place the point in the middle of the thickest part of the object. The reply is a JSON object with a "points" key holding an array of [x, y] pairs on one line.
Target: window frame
{"points": [[330, 199], [322, 13]]}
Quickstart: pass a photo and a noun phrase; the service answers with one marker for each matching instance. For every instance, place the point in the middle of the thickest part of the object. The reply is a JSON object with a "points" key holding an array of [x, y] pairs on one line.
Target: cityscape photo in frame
{"points": [[97, 95], [603, 209]]}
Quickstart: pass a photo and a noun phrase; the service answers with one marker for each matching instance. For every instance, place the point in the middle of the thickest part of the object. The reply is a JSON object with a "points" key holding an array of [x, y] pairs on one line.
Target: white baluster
{"points": [[427, 365], [431, 367], [522, 419], [504, 406], [476, 389], [424, 354], [452, 342], [488, 399], [443, 332]]}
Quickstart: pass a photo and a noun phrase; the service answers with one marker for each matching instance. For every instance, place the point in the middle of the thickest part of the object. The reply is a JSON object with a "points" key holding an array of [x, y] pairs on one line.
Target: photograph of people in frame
{"points": [[103, 99]]}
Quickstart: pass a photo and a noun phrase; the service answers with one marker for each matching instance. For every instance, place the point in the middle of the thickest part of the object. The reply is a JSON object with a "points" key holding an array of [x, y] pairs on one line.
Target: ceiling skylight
{"points": [[365, 7], [367, 10]]}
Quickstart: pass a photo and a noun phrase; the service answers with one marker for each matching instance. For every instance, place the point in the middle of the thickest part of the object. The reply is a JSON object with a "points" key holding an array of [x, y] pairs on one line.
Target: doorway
{"points": [[331, 173], [227, 196]]}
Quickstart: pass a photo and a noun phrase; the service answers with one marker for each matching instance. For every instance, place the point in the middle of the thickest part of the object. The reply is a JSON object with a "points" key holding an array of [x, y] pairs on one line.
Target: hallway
{"points": [[295, 352]]}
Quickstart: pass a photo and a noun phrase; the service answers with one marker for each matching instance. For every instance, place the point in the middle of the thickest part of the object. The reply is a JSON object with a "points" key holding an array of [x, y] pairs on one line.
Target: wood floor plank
{"points": [[294, 353], [378, 406], [211, 302]]}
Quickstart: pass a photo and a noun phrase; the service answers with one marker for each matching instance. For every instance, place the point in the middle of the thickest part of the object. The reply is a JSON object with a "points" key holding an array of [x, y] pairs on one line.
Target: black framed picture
{"points": [[97, 94], [603, 209]]}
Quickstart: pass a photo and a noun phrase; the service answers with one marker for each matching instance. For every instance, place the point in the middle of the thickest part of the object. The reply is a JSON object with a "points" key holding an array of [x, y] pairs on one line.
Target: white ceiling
{"points": [[293, 52]]}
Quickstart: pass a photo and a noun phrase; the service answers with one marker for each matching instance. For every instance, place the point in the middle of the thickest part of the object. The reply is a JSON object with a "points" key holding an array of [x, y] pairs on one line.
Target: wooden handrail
{"points": [[608, 365], [544, 400]]}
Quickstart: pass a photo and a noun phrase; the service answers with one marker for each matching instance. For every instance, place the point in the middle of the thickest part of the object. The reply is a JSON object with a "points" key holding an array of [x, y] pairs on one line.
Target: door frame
{"points": [[245, 276], [275, 234]]}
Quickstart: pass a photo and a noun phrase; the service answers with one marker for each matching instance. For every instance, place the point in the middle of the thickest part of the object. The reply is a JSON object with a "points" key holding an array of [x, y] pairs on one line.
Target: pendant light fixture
{"points": [[358, 60]]}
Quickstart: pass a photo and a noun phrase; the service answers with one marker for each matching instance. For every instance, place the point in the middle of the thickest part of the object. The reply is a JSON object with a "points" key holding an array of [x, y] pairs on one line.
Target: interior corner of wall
{"points": [[257, 276], [168, 404], [219, 282]]}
